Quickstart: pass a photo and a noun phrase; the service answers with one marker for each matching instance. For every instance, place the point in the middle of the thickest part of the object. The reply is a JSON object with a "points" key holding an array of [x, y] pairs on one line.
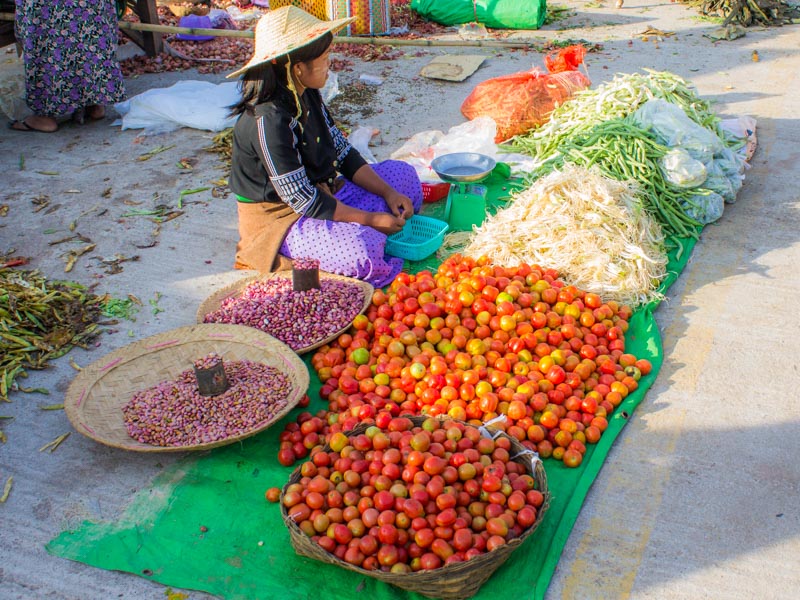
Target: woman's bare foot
{"points": [[96, 112], [36, 123]]}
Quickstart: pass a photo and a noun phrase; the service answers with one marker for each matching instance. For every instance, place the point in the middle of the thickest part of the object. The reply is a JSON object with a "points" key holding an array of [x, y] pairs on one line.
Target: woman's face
{"points": [[314, 73]]}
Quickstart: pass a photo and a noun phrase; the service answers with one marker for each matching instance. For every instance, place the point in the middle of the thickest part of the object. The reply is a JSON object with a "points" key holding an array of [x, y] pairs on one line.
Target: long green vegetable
{"points": [[592, 229], [40, 320]]}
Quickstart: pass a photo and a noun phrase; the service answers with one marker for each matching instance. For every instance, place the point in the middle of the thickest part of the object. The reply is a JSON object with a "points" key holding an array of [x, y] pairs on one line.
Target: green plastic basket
{"points": [[421, 237]]}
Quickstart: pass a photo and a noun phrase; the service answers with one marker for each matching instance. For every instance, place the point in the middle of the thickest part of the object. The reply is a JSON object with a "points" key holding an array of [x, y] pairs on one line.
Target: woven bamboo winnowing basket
{"points": [[450, 582], [95, 397], [214, 301]]}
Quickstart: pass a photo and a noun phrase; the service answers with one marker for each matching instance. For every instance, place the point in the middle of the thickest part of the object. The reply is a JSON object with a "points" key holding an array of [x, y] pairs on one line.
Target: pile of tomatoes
{"points": [[406, 497], [476, 341]]}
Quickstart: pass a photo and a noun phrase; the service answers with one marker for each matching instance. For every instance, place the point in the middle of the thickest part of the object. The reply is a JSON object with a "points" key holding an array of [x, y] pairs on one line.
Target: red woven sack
{"points": [[523, 101]]}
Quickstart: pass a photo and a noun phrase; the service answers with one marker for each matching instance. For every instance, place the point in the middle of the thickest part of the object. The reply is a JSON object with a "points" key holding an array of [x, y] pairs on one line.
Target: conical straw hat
{"points": [[285, 29]]}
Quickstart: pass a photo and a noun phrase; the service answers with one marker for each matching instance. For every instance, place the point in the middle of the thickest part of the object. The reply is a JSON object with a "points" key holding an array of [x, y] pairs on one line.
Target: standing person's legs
{"points": [[70, 61]]}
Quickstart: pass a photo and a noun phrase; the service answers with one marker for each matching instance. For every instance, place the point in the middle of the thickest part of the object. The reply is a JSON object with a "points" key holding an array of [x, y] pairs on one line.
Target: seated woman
{"points": [[303, 190]]}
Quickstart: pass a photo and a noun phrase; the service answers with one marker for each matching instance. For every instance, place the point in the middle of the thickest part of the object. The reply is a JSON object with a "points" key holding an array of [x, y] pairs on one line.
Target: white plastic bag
{"points": [[681, 170], [724, 182], [359, 139], [673, 128], [240, 16], [704, 208], [472, 136], [331, 88], [195, 104], [732, 163], [742, 128], [418, 152], [221, 19]]}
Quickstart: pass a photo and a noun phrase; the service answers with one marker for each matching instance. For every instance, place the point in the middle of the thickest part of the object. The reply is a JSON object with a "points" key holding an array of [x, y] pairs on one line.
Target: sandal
{"points": [[23, 125]]}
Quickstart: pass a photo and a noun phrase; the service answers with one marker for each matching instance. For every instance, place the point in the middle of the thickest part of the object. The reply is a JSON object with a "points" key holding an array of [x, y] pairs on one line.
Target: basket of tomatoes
{"points": [[430, 505]]}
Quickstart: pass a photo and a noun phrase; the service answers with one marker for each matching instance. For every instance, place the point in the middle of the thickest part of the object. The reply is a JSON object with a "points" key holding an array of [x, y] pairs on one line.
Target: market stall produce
{"points": [[478, 341], [40, 320], [616, 98], [509, 342], [176, 413], [519, 102], [604, 128], [146, 397], [203, 492]]}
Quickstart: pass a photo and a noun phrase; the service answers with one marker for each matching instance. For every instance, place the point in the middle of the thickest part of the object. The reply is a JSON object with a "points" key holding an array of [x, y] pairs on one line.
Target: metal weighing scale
{"points": [[466, 201]]}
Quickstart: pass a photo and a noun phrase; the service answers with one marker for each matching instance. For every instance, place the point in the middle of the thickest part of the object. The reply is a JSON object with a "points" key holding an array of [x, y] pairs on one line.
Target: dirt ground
{"points": [[698, 498]]}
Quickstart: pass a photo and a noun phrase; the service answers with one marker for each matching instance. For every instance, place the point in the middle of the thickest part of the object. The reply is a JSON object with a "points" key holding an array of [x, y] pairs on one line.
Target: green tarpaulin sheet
{"points": [[496, 14], [204, 523]]}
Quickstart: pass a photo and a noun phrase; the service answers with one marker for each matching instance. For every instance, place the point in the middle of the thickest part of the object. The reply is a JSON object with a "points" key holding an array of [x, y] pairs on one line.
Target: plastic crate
{"points": [[431, 192], [421, 237]]}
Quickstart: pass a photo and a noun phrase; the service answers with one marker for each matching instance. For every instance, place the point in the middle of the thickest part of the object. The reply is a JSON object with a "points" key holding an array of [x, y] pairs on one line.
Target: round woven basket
{"points": [[450, 582], [214, 301], [96, 396]]}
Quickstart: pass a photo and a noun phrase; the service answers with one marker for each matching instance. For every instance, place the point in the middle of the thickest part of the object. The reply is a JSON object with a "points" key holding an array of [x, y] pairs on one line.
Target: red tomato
{"points": [[429, 561], [556, 374], [572, 458]]}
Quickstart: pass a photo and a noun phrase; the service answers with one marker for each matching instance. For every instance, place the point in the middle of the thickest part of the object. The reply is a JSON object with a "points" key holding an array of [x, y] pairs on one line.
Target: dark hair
{"points": [[261, 83]]}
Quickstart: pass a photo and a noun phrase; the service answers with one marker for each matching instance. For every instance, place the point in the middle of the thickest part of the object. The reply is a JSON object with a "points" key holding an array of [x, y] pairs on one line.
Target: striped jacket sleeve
{"points": [[278, 149], [350, 160]]}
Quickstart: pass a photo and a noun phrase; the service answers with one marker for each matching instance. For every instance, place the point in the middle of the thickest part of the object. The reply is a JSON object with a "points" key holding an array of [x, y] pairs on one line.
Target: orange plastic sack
{"points": [[522, 101], [566, 59]]}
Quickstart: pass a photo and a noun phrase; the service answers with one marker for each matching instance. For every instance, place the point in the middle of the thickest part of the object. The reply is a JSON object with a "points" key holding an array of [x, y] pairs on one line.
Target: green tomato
{"points": [[360, 356]]}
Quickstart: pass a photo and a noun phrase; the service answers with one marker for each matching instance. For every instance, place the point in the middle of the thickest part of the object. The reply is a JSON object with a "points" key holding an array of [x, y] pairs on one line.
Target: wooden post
{"points": [[305, 274], [210, 375], [151, 42]]}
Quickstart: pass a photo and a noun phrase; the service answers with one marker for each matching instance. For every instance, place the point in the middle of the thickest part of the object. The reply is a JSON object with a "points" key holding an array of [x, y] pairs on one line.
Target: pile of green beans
{"points": [[40, 320]]}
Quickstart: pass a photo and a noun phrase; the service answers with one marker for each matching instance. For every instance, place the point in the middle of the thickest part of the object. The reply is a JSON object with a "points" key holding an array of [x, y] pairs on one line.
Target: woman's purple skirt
{"points": [[351, 249]]}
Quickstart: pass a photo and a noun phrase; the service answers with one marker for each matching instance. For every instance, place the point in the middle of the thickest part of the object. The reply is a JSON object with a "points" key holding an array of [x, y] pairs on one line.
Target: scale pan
{"points": [[463, 167]]}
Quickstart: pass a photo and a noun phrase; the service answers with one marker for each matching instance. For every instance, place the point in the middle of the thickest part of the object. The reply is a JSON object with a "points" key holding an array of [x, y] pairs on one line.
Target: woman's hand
{"points": [[386, 223], [399, 204]]}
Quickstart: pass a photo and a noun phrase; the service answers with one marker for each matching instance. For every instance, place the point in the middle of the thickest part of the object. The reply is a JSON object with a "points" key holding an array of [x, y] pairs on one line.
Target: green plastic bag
{"points": [[496, 14]]}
